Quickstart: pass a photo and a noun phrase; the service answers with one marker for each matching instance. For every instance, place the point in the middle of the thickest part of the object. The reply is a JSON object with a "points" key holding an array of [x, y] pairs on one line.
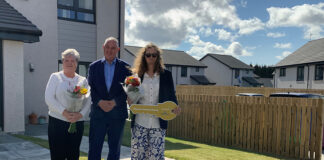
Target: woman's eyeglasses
{"points": [[148, 55]]}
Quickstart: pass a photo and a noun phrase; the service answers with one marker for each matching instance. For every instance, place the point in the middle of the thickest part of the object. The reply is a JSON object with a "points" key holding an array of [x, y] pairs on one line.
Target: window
{"points": [[82, 69], [197, 69], [247, 72], [300, 73], [76, 10], [237, 73], [282, 72], [319, 71], [183, 71]]}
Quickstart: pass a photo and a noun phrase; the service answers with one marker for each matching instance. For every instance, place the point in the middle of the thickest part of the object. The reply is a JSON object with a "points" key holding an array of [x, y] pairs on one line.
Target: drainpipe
{"points": [[176, 75], [119, 17], [1, 89], [232, 78], [274, 79], [307, 75]]}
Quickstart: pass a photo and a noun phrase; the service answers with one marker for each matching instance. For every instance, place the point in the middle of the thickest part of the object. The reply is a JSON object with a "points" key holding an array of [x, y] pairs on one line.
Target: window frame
{"points": [[236, 73], [315, 74], [282, 72], [76, 9], [302, 76], [184, 71]]}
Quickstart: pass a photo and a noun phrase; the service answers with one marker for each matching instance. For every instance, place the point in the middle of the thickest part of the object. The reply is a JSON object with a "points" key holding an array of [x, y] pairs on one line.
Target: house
{"points": [[15, 30], [79, 24], [303, 68], [225, 70], [185, 69]]}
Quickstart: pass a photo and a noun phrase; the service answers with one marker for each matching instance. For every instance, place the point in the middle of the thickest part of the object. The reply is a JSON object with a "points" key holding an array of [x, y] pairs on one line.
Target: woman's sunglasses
{"points": [[148, 55]]}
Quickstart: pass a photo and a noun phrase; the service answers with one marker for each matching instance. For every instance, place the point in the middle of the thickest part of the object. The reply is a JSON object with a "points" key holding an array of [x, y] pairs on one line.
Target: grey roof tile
{"points": [[229, 61], [11, 21], [311, 52], [172, 57]]}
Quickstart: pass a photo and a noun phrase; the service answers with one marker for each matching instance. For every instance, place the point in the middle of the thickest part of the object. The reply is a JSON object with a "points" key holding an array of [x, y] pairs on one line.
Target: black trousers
{"points": [[64, 145]]}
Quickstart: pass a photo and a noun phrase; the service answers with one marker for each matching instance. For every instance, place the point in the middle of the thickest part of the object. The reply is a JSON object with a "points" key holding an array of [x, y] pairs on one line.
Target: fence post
{"points": [[319, 131]]}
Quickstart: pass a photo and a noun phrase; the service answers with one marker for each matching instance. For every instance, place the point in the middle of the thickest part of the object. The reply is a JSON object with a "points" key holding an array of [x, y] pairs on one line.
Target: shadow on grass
{"points": [[177, 146]]}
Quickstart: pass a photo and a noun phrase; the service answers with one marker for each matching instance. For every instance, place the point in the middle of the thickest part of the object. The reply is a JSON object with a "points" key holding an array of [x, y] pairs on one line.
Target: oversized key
{"points": [[162, 110]]}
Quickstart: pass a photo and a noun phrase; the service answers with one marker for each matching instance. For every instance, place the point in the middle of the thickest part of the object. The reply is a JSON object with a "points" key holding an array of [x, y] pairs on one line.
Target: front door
{"points": [[1, 87]]}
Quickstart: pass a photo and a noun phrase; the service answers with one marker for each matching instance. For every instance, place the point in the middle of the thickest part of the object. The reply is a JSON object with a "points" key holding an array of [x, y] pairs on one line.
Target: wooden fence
{"points": [[289, 127], [233, 90]]}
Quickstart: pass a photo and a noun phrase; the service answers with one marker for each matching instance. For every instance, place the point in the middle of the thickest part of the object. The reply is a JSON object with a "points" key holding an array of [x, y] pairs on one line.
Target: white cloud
{"points": [[167, 23], [283, 55], [243, 3], [224, 35], [200, 48], [308, 16], [206, 31], [282, 45], [275, 35]]}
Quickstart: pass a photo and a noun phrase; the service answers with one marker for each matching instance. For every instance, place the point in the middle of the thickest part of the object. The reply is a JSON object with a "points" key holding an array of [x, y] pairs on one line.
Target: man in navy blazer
{"points": [[108, 110]]}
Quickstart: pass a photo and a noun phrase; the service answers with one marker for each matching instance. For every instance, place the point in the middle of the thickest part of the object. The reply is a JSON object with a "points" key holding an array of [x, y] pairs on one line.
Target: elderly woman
{"points": [[60, 87], [148, 131]]}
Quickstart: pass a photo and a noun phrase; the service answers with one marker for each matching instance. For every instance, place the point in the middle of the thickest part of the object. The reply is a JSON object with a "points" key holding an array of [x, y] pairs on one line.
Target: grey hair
{"points": [[71, 52], [111, 39]]}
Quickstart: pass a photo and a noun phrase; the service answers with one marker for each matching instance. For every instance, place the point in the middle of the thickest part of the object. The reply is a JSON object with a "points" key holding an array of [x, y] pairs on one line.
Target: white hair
{"points": [[71, 52], [111, 39]]}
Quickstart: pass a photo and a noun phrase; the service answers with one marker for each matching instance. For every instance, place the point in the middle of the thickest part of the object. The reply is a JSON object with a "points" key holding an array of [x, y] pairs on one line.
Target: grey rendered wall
{"points": [[217, 72], [108, 22], [43, 54], [80, 36]]}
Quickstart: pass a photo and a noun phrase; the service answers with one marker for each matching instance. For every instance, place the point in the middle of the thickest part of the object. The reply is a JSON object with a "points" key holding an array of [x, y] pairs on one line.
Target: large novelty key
{"points": [[162, 110]]}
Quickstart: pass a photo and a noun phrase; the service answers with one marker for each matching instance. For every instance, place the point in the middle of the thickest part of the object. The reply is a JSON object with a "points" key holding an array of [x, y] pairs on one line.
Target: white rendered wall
{"points": [[13, 86]]}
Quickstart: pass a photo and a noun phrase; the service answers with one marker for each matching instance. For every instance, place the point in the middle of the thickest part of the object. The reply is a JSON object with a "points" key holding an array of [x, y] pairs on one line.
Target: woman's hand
{"points": [[68, 115], [177, 110], [76, 116], [129, 101]]}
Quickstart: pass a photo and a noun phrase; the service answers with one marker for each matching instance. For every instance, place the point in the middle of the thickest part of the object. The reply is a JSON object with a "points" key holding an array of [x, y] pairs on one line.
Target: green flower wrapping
{"points": [[72, 128]]}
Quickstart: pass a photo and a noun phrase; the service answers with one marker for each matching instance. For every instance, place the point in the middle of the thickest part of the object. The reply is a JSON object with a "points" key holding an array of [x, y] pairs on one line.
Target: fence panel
{"points": [[283, 126]]}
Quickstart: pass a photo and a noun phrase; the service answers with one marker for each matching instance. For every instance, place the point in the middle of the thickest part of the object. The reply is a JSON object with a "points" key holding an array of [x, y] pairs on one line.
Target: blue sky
{"points": [[254, 31]]}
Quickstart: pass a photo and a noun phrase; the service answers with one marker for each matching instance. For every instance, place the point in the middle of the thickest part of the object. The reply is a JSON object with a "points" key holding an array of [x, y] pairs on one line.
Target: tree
{"points": [[263, 71]]}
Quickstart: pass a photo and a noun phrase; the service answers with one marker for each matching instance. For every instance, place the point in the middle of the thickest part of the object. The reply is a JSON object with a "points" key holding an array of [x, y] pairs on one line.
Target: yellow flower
{"points": [[84, 91]]}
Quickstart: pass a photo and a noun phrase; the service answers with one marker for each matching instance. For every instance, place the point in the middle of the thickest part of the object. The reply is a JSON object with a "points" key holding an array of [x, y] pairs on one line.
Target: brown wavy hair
{"points": [[140, 65]]}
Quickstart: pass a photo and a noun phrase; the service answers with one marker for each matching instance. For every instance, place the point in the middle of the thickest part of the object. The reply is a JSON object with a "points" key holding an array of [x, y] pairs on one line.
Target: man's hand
{"points": [[106, 105]]}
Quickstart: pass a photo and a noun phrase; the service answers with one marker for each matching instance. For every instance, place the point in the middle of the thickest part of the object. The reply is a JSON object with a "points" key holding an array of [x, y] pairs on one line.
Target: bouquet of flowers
{"points": [[75, 102], [133, 89]]}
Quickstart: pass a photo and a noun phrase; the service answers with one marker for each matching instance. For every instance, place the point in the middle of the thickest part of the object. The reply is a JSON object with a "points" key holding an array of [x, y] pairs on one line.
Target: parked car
{"points": [[299, 95], [250, 94], [296, 94]]}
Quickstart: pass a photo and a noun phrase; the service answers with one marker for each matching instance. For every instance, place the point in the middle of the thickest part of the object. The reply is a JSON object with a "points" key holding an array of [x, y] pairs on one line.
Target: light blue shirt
{"points": [[109, 73]]}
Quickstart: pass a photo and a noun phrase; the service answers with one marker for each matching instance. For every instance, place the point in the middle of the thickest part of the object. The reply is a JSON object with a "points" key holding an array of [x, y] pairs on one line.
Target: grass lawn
{"points": [[176, 148], [186, 150]]}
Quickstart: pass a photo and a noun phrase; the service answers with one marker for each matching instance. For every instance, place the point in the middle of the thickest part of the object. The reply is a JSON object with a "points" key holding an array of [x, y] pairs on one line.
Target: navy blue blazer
{"points": [[166, 93], [99, 90]]}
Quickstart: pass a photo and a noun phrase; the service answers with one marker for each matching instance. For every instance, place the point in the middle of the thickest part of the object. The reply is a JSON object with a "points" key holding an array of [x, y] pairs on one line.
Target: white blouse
{"points": [[151, 88], [55, 93]]}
